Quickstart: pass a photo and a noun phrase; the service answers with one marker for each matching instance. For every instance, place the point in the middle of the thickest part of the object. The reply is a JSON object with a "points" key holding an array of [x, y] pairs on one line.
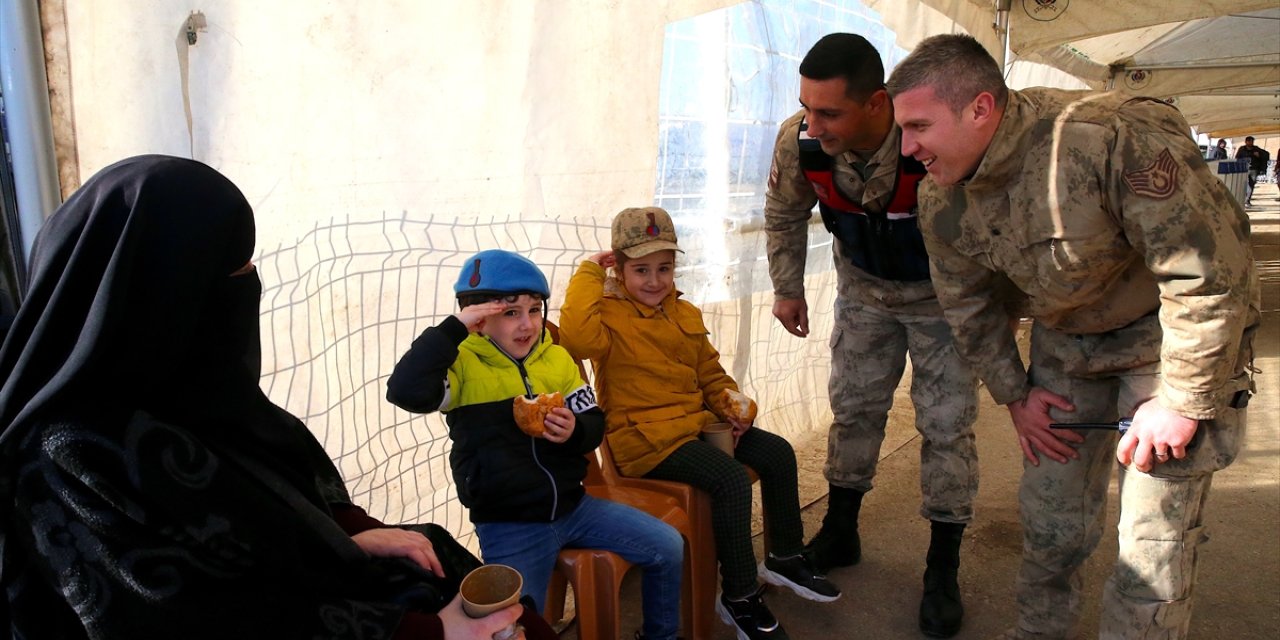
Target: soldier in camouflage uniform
{"points": [[1136, 266], [841, 152]]}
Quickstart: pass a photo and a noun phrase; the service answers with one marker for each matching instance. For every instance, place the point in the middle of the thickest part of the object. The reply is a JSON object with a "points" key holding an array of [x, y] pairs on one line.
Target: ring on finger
{"points": [[1162, 454]]}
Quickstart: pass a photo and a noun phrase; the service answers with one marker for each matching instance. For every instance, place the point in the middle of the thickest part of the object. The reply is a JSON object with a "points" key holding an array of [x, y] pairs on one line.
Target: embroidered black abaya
{"points": [[148, 489]]}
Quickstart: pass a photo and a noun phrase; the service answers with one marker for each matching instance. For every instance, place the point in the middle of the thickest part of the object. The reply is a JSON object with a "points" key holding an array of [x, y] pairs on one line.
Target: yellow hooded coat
{"points": [[655, 368]]}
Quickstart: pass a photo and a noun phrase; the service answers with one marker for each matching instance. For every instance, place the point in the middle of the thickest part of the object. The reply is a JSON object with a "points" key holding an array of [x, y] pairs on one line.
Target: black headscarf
{"points": [[131, 307], [134, 332]]}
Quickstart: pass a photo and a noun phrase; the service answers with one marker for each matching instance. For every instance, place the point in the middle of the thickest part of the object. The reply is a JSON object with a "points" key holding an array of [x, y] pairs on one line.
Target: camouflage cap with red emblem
{"points": [[640, 231]]}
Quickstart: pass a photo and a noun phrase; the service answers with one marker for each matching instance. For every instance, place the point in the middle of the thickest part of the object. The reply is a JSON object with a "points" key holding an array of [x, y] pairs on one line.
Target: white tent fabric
{"points": [[1219, 60], [1229, 114], [914, 22]]}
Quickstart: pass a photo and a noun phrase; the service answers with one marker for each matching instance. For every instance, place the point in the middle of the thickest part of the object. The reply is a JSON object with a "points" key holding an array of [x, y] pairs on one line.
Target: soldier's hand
{"points": [[794, 316], [1156, 435], [1031, 420]]}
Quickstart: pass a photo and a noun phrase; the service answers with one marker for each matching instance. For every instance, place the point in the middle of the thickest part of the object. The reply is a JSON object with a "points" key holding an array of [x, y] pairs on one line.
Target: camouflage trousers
{"points": [[1063, 506], [869, 347]]}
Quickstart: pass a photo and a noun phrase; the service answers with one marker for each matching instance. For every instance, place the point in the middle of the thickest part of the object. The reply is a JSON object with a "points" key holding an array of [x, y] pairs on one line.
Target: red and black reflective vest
{"points": [[886, 244]]}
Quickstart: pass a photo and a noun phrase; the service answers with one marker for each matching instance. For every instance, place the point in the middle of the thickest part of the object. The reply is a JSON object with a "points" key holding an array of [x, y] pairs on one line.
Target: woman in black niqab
{"points": [[148, 488]]}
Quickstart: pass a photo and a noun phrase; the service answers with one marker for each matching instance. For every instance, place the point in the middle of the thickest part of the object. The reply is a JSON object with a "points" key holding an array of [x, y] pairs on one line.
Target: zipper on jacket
{"points": [[533, 442]]}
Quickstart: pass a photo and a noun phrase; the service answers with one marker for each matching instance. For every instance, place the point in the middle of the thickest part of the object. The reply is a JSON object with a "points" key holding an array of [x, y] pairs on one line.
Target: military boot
{"points": [[940, 608], [837, 543]]}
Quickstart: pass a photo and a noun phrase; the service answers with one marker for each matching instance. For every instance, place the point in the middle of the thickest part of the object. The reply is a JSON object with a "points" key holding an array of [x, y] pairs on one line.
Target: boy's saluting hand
{"points": [[475, 315]]}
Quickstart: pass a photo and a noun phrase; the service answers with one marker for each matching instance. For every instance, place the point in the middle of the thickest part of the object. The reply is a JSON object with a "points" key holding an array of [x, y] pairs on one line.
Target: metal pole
{"points": [[1195, 66], [27, 119], [1002, 30]]}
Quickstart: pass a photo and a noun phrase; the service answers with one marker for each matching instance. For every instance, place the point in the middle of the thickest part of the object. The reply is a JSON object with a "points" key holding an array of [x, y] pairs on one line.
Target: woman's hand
{"points": [[398, 543], [459, 626]]}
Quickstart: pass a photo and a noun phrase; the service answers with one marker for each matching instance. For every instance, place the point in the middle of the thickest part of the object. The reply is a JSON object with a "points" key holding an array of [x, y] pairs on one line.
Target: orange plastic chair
{"points": [[701, 569], [702, 584], [595, 574]]}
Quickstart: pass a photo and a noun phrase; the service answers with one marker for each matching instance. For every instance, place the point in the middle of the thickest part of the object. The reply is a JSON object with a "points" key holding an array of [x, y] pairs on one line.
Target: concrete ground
{"points": [[1238, 593]]}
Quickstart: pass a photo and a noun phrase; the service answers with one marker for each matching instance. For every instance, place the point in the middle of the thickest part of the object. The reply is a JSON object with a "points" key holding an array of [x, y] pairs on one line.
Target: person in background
{"points": [[1137, 270], [1220, 151], [841, 152], [660, 384], [151, 488], [523, 485], [1258, 159]]}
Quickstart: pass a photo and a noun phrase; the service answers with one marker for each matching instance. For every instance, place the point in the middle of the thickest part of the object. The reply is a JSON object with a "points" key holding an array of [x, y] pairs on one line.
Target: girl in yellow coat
{"points": [[660, 382]]}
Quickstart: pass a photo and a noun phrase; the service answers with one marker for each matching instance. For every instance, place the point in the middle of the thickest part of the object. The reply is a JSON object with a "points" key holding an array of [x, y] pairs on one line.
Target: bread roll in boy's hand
{"points": [[734, 406], [531, 413]]}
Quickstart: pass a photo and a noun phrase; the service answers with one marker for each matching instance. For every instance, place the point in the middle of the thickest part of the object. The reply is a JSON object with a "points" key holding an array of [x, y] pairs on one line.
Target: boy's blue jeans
{"points": [[641, 539]]}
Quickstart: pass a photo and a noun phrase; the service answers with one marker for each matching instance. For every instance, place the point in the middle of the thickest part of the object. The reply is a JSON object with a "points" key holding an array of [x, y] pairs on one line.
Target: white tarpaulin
{"points": [[1219, 60]]}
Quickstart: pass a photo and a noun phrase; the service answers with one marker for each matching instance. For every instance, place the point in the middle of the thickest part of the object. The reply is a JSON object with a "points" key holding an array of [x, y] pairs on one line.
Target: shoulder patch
{"points": [[1157, 181]]}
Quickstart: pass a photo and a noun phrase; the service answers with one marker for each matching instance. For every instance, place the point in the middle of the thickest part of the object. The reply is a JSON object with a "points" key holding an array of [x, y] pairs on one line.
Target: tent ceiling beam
{"points": [[1183, 66]]}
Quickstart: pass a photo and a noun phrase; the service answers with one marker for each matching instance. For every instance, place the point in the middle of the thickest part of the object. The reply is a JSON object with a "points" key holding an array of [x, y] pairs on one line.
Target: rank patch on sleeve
{"points": [[1157, 181]]}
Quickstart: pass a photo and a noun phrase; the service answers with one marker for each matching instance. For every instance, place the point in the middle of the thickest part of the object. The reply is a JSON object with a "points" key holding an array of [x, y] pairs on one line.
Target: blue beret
{"points": [[500, 272]]}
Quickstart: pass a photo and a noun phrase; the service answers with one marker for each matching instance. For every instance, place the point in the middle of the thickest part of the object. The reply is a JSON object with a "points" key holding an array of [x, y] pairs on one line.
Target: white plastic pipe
{"points": [[26, 113]]}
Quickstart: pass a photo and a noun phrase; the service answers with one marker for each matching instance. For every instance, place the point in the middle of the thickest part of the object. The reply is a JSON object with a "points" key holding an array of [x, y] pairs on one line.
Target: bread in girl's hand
{"points": [[734, 406], [531, 413]]}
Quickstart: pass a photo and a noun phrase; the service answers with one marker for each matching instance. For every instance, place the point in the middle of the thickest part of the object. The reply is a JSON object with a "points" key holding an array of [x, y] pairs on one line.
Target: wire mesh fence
{"points": [[344, 302]]}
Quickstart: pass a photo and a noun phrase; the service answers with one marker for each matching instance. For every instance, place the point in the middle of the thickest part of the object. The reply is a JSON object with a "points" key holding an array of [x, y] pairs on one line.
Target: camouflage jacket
{"points": [[789, 204], [1099, 208]]}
